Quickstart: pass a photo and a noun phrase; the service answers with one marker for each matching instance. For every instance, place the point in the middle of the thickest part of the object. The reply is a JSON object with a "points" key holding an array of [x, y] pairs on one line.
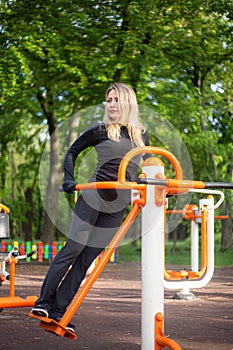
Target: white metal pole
{"points": [[209, 202], [194, 246], [152, 257]]}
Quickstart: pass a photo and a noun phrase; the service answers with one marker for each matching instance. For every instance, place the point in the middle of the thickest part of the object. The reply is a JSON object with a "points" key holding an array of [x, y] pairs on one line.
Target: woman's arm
{"points": [[85, 140]]}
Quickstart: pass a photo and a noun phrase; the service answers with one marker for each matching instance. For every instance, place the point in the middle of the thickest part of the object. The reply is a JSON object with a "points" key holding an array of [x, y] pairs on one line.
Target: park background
{"points": [[58, 57]]}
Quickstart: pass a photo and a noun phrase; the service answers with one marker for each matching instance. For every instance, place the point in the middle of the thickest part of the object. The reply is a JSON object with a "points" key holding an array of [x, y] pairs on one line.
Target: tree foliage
{"points": [[58, 57]]}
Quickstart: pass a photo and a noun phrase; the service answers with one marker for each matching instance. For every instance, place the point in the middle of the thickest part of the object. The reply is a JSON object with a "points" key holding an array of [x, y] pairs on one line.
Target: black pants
{"points": [[94, 224]]}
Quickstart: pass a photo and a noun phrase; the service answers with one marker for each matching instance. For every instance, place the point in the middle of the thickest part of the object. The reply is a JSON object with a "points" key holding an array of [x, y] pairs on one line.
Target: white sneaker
{"points": [[40, 310]]}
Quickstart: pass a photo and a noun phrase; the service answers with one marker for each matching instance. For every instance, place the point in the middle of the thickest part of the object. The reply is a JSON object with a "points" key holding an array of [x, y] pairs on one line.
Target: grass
{"points": [[181, 256]]}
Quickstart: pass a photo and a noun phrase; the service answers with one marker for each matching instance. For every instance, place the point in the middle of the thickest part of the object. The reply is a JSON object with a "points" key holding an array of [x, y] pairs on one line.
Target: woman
{"points": [[97, 213]]}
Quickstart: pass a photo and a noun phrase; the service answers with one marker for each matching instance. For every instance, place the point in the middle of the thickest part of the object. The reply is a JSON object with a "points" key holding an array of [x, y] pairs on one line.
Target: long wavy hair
{"points": [[128, 115]]}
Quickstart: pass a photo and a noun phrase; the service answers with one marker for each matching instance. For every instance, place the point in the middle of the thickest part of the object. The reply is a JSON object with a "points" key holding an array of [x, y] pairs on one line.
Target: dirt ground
{"points": [[109, 318]]}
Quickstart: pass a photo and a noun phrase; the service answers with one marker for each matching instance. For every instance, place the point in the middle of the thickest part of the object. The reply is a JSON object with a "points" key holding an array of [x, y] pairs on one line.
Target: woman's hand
{"points": [[69, 186]]}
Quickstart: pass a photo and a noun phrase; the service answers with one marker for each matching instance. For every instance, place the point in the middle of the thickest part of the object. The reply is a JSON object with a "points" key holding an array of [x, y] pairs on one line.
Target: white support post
{"points": [[152, 256], [194, 246], [209, 202]]}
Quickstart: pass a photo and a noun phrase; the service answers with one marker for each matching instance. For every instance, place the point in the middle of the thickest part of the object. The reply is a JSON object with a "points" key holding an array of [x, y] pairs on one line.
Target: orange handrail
{"points": [[221, 217], [109, 185], [171, 185], [160, 339], [12, 300], [185, 184], [184, 274], [151, 150], [5, 208], [12, 274], [115, 185]]}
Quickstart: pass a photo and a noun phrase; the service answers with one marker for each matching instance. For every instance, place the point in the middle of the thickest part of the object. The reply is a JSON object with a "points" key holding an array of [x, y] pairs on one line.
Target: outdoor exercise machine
{"points": [[11, 258], [152, 189], [195, 277]]}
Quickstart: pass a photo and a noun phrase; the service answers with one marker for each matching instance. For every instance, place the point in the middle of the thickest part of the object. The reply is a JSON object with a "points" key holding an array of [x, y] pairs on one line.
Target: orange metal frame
{"points": [[185, 274], [4, 208], [12, 300], [160, 339], [188, 213]]}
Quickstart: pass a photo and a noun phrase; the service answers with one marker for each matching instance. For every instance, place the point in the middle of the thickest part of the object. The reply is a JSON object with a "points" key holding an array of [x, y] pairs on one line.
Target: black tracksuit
{"points": [[97, 215]]}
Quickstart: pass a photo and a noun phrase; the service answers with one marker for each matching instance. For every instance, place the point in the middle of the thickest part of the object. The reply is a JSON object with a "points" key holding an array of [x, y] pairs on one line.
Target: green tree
{"points": [[58, 57]]}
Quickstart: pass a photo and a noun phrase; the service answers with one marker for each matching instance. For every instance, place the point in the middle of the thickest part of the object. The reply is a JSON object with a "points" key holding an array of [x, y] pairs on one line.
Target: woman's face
{"points": [[112, 105]]}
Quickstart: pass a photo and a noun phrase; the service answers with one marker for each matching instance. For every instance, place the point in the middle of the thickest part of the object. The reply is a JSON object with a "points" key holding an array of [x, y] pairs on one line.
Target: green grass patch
{"points": [[130, 251], [181, 256]]}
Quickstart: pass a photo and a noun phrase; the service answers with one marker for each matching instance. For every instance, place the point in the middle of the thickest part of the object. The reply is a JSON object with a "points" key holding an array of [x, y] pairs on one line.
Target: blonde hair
{"points": [[128, 115]]}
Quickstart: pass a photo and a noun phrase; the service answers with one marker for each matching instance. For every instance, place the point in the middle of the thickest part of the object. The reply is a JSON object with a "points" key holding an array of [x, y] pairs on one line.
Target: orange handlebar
{"points": [[176, 185], [109, 185], [121, 183], [5, 208], [148, 149]]}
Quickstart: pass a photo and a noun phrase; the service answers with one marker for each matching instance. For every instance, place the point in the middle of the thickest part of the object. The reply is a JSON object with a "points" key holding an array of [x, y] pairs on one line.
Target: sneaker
{"points": [[70, 327], [40, 310]]}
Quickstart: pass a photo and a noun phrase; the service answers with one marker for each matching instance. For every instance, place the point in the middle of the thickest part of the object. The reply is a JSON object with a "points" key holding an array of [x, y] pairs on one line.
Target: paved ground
{"points": [[109, 318]]}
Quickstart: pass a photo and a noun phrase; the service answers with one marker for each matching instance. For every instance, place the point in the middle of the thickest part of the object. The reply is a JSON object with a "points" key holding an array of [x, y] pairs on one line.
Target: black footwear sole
{"points": [[70, 328], [40, 312]]}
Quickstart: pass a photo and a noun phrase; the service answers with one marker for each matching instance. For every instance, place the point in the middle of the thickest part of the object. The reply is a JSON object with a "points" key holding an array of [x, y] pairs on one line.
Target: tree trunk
{"points": [[3, 164], [198, 81], [73, 125], [27, 226], [40, 214], [226, 239], [174, 240], [49, 230]]}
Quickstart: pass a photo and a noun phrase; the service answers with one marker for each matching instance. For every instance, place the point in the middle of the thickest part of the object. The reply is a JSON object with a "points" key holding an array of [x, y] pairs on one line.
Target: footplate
{"points": [[53, 326]]}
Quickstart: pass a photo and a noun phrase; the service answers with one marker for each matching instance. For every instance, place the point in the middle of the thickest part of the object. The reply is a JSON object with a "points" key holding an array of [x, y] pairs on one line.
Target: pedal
{"points": [[53, 326]]}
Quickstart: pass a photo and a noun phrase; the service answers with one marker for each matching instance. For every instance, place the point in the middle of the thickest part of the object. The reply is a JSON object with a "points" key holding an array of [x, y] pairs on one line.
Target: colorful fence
{"points": [[44, 252]]}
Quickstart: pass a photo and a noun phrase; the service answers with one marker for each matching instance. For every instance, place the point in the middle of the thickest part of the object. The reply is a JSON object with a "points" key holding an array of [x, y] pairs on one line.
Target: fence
{"points": [[44, 252]]}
